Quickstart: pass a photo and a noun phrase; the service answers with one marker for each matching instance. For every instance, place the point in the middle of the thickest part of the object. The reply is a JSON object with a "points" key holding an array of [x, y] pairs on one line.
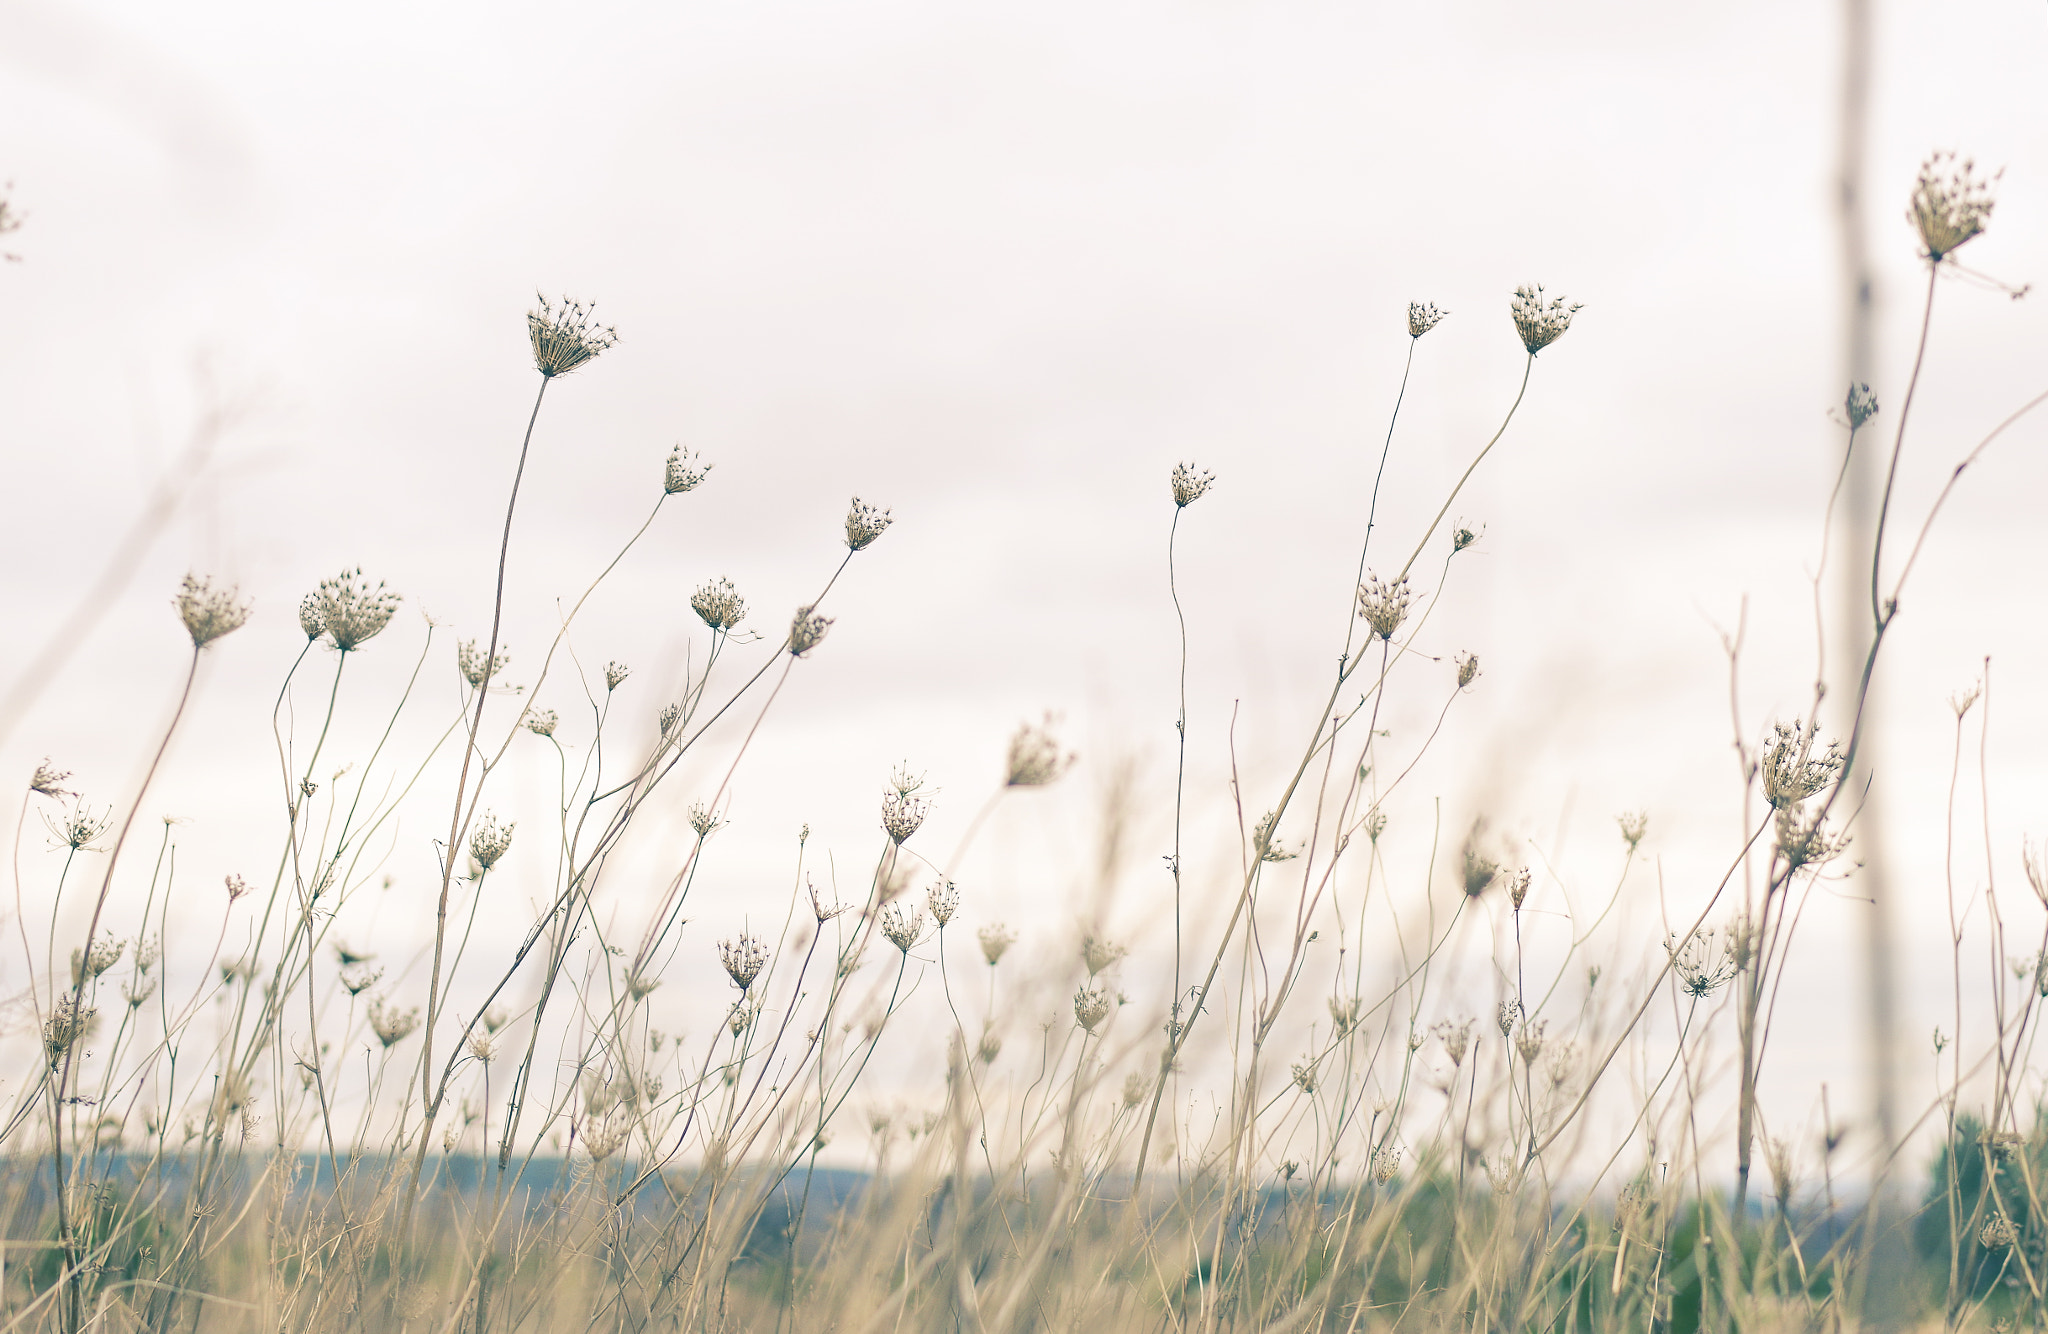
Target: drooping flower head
{"points": [[1950, 204]]}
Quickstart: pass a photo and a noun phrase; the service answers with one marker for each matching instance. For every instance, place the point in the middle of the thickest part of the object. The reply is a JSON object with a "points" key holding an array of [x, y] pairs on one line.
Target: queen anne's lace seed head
{"points": [[1386, 1163], [70, 1019], [686, 471], [1506, 1015], [1518, 886], [1803, 839], [1702, 962], [669, 714], [1795, 766], [1480, 871], [359, 978], [943, 899], [1190, 484], [614, 674], [1035, 758], [78, 829], [743, 959], [312, 616], [1099, 955], [1457, 1039], [1468, 669], [1344, 1011], [1384, 606], [719, 605], [391, 1024], [1634, 824], [564, 336], [1305, 1076], [990, 1046], [1950, 204], [996, 940], [1137, 1087], [138, 989], [49, 780], [1422, 317], [1091, 1007], [352, 611], [1529, 1041], [902, 813], [1997, 1233], [1541, 323], [703, 819], [865, 523], [1266, 842], [209, 612], [902, 926], [542, 722], [490, 841], [807, 630], [470, 662], [1860, 406]]}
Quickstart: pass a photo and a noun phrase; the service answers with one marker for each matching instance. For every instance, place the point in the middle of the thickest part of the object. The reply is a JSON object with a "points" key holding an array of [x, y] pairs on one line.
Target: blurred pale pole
{"points": [[1882, 1289]]}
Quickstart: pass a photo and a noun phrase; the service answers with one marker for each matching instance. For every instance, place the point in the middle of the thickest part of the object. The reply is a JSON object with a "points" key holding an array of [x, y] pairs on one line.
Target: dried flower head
{"points": [[1383, 606], [1702, 963], [79, 828], [1997, 1233], [865, 523], [312, 616], [236, 887], [942, 901], [1375, 824], [103, 953], [807, 630], [1540, 323], [209, 612], [138, 989], [995, 940], [542, 722], [1529, 1041], [1860, 405], [1950, 204], [70, 1019], [1422, 317], [471, 663], [743, 959], [1480, 871], [49, 780], [1634, 824], [641, 984], [390, 1024], [821, 910], [482, 1046], [1344, 1012], [1190, 484], [1091, 1007], [1035, 758], [1803, 839], [1468, 669], [148, 949], [1304, 1072], [669, 714], [1506, 1015], [1791, 771], [1457, 1039], [1099, 955], [490, 841], [902, 813], [359, 978], [564, 336], [352, 611], [1518, 886], [703, 820], [1137, 1087], [990, 1046], [719, 605], [614, 674], [902, 926], [1386, 1162], [686, 472]]}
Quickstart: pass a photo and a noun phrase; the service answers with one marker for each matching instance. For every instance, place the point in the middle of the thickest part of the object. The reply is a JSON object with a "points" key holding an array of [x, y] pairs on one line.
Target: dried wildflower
{"points": [[471, 663], [138, 989], [990, 1046], [1634, 824], [1375, 824], [1950, 204], [1463, 537], [2004, 1145], [147, 951], [236, 887], [719, 605], [351, 611], [88, 964], [542, 722], [1540, 323], [1518, 886], [807, 630], [703, 820], [743, 959], [495, 1018], [1997, 1233], [1703, 967], [1304, 1072], [1099, 955], [865, 523], [1742, 939], [564, 337], [902, 926], [1265, 846], [614, 673], [79, 828], [390, 1024], [744, 1012], [1860, 405], [1457, 1039], [1190, 484], [1035, 759], [685, 472], [820, 909], [1803, 839], [1422, 317], [70, 1019], [1137, 1088], [1506, 1015], [482, 1046], [49, 780], [640, 985], [902, 813], [1091, 1007], [669, 714], [1344, 1012], [1791, 771], [1562, 1061], [942, 900], [312, 616], [1386, 1162], [1480, 871], [1529, 1041], [1383, 606], [995, 940], [1468, 669], [605, 1138], [359, 978], [490, 841], [208, 612]]}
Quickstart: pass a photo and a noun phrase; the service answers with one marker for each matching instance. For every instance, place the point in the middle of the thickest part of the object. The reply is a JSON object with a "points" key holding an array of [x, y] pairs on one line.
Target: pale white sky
{"points": [[999, 267]]}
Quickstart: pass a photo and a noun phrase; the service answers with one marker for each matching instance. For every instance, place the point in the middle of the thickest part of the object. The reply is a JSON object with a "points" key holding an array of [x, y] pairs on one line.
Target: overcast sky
{"points": [[999, 268]]}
